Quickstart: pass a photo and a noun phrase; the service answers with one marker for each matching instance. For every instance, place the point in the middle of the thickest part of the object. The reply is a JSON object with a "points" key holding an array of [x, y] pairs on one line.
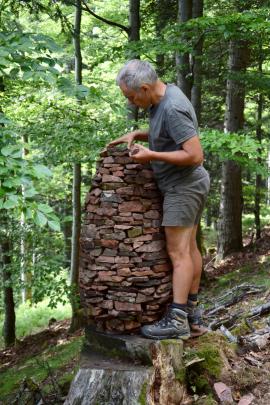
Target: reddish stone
{"points": [[110, 252], [105, 259], [125, 190], [127, 306], [152, 214], [164, 287], [130, 325], [137, 244], [108, 178], [107, 304], [131, 206], [142, 298], [118, 173], [136, 166], [122, 259], [99, 287], [125, 271], [116, 168], [106, 211], [124, 227], [109, 243], [148, 291], [123, 160], [155, 246], [104, 170], [162, 267], [151, 230], [143, 273], [108, 159], [155, 255], [96, 192]]}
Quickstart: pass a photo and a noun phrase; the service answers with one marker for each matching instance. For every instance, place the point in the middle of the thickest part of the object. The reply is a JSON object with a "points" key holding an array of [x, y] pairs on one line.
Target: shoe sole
{"points": [[198, 333], [186, 337]]}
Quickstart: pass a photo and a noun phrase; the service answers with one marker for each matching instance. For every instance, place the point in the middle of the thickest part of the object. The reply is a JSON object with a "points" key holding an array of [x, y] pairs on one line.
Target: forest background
{"points": [[60, 106]]}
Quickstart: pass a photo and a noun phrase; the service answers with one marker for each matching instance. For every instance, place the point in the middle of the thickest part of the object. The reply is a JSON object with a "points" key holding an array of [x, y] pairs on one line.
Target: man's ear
{"points": [[145, 87]]}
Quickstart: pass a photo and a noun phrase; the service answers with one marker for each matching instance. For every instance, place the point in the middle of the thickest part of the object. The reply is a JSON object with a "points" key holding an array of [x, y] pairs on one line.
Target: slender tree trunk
{"points": [[76, 320], [9, 327], [196, 90], [230, 217], [183, 59], [9, 305], [26, 275], [134, 35], [257, 208]]}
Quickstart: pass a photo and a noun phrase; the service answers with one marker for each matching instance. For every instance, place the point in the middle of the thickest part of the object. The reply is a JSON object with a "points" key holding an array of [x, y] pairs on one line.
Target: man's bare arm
{"points": [[191, 154], [129, 138]]}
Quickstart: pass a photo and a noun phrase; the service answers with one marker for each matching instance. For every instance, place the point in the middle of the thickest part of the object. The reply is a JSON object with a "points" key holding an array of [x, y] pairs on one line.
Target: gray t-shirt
{"points": [[172, 122]]}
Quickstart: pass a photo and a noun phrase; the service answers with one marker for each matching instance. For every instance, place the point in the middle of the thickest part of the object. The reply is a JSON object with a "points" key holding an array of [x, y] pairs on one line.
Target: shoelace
{"points": [[164, 321]]}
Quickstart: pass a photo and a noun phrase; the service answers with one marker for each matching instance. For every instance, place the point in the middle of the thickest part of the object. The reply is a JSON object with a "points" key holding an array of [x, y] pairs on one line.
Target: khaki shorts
{"points": [[184, 202]]}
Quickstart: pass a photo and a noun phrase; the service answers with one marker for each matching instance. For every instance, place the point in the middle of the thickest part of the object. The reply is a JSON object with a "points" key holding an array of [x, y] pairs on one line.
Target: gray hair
{"points": [[135, 73]]}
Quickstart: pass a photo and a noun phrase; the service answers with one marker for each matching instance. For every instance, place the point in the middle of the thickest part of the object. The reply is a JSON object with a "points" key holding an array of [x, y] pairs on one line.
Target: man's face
{"points": [[141, 97]]}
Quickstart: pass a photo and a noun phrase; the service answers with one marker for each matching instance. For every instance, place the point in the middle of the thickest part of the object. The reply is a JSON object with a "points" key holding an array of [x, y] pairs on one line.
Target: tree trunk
{"points": [[76, 320], [182, 59], [134, 35], [26, 275], [165, 13], [9, 327], [230, 217], [9, 305], [258, 176], [196, 90]]}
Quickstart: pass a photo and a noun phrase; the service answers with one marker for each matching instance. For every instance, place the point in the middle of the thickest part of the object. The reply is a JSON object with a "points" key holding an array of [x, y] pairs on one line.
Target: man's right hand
{"points": [[128, 138]]}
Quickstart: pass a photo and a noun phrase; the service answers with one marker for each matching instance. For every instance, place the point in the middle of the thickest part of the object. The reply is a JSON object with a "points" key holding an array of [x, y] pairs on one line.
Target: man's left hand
{"points": [[140, 153]]}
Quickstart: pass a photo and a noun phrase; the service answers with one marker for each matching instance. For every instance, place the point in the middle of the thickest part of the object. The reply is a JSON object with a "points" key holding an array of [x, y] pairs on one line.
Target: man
{"points": [[176, 157]]}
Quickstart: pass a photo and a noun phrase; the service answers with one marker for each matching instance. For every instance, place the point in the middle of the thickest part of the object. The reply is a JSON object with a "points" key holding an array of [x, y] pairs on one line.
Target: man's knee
{"points": [[179, 253]]}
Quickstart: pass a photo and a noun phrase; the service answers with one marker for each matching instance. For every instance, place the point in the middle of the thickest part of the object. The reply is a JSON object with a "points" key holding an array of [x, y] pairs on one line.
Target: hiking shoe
{"points": [[195, 311], [174, 325]]}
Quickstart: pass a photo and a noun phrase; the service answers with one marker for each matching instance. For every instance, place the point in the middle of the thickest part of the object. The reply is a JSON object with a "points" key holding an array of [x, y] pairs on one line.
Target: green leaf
{"points": [[41, 171], [45, 208], [11, 202], [11, 150], [54, 225], [30, 192], [40, 219]]}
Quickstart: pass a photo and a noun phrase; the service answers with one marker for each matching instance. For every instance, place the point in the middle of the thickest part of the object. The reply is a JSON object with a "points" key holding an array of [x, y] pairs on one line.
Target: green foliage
{"points": [[57, 358], [240, 147], [34, 318]]}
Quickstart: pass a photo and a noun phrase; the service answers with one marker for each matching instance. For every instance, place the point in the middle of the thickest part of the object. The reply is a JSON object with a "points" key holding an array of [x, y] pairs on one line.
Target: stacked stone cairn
{"points": [[125, 273]]}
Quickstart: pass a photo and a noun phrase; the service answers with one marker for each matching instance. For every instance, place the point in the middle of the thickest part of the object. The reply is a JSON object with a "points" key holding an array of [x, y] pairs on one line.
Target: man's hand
{"points": [[140, 153], [127, 138]]}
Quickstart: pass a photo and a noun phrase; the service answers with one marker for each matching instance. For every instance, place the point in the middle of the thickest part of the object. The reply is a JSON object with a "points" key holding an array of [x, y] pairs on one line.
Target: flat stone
{"points": [[126, 306], [223, 392]]}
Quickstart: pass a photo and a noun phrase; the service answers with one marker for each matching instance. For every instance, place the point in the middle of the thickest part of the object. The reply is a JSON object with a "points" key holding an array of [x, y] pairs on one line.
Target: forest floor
{"points": [[42, 365]]}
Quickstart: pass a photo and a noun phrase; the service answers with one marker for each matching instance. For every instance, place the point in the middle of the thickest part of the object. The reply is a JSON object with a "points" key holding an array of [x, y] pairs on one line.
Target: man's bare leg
{"points": [[196, 327], [178, 240], [197, 262]]}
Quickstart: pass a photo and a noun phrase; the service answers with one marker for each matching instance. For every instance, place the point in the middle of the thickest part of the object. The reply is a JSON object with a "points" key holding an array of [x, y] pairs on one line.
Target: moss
{"points": [[57, 357], [208, 400], [180, 375], [142, 397], [241, 329]]}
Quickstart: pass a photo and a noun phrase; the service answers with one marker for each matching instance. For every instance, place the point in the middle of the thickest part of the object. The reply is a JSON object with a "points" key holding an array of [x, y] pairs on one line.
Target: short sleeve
{"points": [[179, 125]]}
